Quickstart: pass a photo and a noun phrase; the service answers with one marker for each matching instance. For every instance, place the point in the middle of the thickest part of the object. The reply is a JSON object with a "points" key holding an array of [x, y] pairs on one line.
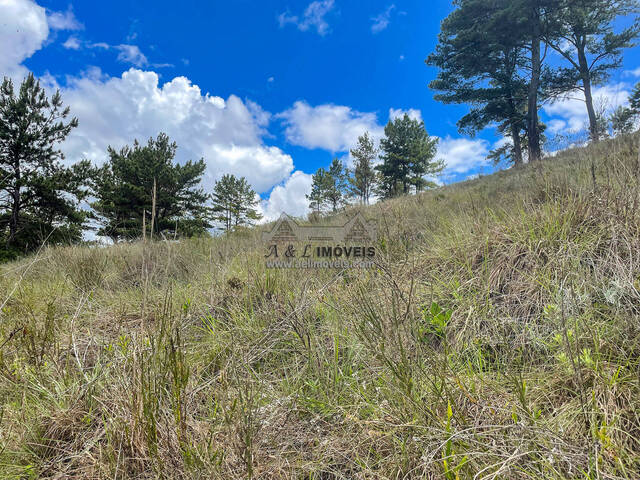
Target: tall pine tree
{"points": [[321, 182], [336, 185], [586, 39], [364, 175], [234, 202], [39, 197], [532, 22], [408, 154], [124, 189], [481, 57]]}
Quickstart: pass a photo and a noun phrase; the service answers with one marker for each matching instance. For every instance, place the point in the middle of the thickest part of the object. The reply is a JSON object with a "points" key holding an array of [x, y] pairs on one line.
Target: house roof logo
{"points": [[356, 230]]}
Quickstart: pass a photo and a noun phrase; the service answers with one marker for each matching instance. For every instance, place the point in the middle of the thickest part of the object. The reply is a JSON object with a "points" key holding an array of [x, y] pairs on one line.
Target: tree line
{"points": [[140, 190], [404, 163], [496, 55]]}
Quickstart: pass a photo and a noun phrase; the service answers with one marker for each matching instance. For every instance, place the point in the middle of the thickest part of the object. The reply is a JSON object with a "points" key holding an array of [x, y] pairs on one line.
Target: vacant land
{"points": [[498, 337]]}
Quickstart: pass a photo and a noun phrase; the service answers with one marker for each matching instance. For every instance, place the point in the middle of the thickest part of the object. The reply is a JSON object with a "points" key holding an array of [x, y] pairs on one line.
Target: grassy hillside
{"points": [[499, 337]]}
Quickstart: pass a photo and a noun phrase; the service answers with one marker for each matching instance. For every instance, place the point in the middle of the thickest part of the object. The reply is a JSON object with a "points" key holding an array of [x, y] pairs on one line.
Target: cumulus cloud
{"points": [[569, 114], [556, 125], [462, 155], [312, 18], [381, 21], [226, 133], [64, 20], [289, 197], [334, 128], [23, 30], [113, 111]]}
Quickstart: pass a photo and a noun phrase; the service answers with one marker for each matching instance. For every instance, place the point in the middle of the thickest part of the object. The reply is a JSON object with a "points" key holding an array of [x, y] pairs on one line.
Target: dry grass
{"points": [[190, 360]]}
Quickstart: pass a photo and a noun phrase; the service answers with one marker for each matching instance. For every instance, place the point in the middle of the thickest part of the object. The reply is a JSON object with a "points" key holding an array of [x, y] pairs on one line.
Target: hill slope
{"points": [[498, 337]]}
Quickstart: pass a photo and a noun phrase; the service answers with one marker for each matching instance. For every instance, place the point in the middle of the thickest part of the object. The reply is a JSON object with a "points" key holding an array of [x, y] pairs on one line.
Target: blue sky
{"points": [[271, 90]]}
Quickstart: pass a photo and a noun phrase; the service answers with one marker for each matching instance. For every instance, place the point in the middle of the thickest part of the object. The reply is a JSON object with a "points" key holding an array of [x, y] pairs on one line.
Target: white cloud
{"points": [[72, 43], [102, 45], [289, 197], [127, 53], [633, 73], [462, 154], [131, 54], [335, 128], [502, 141], [572, 111], [23, 30], [64, 21], [381, 21], [271, 79], [414, 114], [556, 125], [331, 127], [313, 17], [226, 133]]}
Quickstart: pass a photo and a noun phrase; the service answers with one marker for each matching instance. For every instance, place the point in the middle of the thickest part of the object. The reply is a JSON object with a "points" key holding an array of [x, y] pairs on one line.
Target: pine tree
{"points": [[497, 45], [533, 11], [336, 185], [586, 40], [248, 200], [364, 175], [319, 186], [234, 202], [40, 196], [329, 188], [634, 100], [622, 120], [124, 189], [481, 58], [533, 22], [407, 155]]}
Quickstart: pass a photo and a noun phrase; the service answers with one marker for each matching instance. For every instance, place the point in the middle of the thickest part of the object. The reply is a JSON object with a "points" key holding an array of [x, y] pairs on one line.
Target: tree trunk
{"points": [[585, 74], [515, 131], [367, 191], [15, 207], [517, 147], [536, 69]]}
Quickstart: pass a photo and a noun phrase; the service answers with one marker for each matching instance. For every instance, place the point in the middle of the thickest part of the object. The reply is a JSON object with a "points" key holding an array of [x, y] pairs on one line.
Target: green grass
{"points": [[499, 337]]}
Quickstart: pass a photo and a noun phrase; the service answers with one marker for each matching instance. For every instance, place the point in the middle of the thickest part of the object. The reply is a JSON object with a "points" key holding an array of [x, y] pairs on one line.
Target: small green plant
{"points": [[434, 323], [449, 454]]}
